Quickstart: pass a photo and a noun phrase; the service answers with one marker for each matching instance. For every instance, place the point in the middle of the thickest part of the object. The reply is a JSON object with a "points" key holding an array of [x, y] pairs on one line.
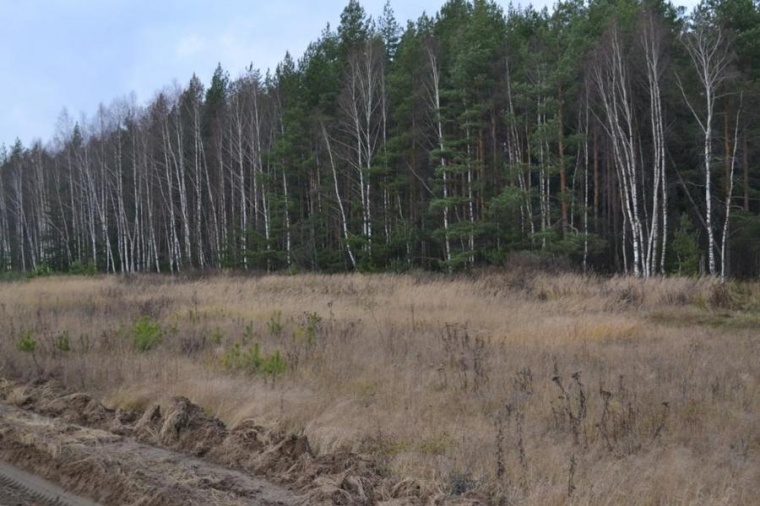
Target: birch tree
{"points": [[729, 196], [432, 86], [362, 107], [5, 246], [710, 53], [339, 199], [612, 77], [652, 41]]}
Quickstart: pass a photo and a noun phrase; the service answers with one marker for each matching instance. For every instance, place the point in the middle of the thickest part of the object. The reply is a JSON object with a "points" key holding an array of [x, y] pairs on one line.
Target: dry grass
{"points": [[530, 388]]}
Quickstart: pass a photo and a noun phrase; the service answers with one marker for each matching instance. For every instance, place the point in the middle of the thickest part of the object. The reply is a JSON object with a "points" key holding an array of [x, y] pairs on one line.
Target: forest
{"points": [[608, 136]]}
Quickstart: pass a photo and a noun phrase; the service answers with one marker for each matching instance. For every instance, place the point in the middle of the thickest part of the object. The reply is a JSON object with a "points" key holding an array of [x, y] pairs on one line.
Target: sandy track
{"points": [[172, 452], [20, 488], [113, 469]]}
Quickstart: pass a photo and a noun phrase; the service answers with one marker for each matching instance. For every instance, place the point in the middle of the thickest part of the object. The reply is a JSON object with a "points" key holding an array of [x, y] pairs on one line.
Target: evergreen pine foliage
{"points": [[448, 142]]}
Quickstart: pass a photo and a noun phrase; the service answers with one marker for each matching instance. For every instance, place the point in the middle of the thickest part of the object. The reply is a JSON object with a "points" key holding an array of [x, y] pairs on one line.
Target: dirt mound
{"points": [[22, 397], [180, 425], [260, 450], [347, 478], [283, 457], [338, 478], [185, 427], [343, 490], [80, 409], [250, 446], [116, 470], [123, 422], [50, 399], [148, 426], [245, 439]]}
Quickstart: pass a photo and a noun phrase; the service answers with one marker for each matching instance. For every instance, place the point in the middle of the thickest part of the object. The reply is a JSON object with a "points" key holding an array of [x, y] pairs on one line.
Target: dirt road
{"points": [[174, 453], [20, 488], [113, 469]]}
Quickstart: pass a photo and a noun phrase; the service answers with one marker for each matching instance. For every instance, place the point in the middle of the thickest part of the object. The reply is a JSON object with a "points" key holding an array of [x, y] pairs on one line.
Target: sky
{"points": [[77, 54]]}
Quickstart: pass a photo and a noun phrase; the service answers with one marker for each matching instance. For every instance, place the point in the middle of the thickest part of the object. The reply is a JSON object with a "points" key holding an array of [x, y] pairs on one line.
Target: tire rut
{"points": [[113, 469], [21, 488]]}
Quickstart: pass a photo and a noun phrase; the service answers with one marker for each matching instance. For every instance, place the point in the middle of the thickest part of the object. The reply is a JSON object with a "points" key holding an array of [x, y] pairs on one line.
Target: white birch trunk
{"points": [[344, 222], [434, 97], [709, 52], [730, 193]]}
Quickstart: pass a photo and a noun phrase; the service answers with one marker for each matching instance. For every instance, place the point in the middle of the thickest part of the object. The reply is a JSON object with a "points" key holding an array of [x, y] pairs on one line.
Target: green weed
{"points": [[27, 343], [216, 336], [275, 324], [147, 334], [251, 360], [62, 342]]}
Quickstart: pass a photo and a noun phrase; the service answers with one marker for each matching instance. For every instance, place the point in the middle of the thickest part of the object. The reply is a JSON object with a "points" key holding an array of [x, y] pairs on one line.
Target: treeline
{"points": [[615, 135]]}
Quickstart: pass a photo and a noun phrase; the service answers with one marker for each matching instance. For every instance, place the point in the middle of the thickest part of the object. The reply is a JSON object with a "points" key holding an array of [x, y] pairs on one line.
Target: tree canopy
{"points": [[616, 136]]}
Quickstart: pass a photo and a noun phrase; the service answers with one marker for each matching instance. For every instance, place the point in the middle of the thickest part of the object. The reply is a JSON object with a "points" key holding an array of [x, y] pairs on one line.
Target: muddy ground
{"points": [[19, 488], [177, 455]]}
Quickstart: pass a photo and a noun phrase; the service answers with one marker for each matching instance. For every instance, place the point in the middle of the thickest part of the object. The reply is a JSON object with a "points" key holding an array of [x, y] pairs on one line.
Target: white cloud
{"points": [[190, 45]]}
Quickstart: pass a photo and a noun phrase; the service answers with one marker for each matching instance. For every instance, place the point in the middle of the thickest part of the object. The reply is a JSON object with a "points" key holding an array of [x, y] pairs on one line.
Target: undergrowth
{"points": [[515, 387]]}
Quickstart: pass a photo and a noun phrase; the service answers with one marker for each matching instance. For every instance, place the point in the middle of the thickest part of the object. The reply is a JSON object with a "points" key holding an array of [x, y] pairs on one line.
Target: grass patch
{"points": [[520, 387], [725, 320]]}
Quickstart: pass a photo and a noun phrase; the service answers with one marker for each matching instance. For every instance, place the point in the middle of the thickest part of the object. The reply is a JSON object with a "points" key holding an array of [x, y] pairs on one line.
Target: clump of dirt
{"points": [[283, 458], [22, 396], [149, 424], [350, 478], [79, 409], [123, 422], [339, 478], [260, 450], [185, 427], [50, 399], [248, 435]]}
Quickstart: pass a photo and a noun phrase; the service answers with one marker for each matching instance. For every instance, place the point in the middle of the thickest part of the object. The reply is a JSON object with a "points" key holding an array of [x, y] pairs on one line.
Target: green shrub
{"points": [[685, 248], [310, 328], [62, 342], [83, 269], [248, 333], [232, 357], [275, 325], [273, 365], [10, 276], [41, 270], [27, 343], [146, 334], [216, 336], [251, 361]]}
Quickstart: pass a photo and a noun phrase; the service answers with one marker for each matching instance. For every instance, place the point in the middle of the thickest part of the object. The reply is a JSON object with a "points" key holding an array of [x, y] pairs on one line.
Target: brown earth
{"points": [[173, 453], [19, 488]]}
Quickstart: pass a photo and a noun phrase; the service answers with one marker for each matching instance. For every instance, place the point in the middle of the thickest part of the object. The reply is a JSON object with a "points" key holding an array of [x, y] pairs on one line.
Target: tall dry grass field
{"points": [[524, 387]]}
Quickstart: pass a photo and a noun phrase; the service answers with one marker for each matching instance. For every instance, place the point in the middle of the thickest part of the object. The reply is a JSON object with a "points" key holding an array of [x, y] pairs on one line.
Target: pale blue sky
{"points": [[76, 54]]}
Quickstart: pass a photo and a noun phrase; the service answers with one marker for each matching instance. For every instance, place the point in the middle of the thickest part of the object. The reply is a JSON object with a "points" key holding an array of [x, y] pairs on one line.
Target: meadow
{"points": [[521, 387]]}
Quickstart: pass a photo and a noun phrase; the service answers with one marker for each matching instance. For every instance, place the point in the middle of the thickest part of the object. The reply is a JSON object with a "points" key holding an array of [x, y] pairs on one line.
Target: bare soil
{"points": [[18, 488], [177, 455], [113, 469]]}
